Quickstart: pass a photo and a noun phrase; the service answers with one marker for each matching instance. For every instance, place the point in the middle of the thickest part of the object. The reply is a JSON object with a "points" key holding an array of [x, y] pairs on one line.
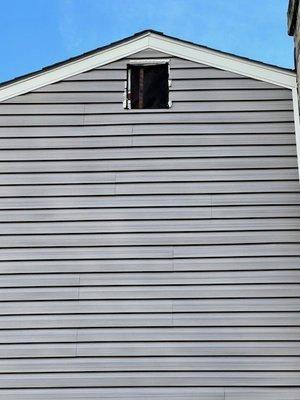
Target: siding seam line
{"points": [[76, 343], [78, 299], [83, 116], [131, 136], [115, 185]]}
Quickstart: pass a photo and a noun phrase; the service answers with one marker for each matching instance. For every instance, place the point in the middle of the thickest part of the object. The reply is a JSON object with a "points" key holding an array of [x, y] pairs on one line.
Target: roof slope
{"points": [[148, 39]]}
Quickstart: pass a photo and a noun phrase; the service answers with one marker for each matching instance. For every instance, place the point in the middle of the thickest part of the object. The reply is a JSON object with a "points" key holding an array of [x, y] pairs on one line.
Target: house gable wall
{"points": [[148, 253]]}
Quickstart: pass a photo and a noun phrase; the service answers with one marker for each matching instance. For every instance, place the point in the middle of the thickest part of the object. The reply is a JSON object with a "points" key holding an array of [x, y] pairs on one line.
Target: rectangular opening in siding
{"points": [[147, 85]]}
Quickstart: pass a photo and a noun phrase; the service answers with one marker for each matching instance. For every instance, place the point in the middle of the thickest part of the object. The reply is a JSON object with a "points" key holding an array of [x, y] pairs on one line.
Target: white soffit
{"points": [[150, 40]]}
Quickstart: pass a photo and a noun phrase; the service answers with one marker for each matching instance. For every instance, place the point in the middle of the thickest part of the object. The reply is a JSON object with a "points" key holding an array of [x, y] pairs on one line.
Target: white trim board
{"points": [[297, 124], [155, 41], [223, 61]]}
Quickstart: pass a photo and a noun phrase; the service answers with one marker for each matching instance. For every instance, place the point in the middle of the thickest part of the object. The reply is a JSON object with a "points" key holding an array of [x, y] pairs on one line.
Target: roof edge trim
{"points": [[214, 58], [74, 67], [156, 41]]}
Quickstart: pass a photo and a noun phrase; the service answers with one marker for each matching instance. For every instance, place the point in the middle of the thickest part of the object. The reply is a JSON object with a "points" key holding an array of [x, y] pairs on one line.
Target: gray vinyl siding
{"points": [[150, 254]]}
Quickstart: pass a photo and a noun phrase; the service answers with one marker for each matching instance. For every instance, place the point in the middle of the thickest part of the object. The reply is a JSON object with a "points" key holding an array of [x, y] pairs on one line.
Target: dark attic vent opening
{"points": [[148, 86]]}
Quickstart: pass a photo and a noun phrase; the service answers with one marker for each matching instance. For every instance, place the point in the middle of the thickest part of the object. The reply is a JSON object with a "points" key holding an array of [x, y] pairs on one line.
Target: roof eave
{"points": [[144, 40]]}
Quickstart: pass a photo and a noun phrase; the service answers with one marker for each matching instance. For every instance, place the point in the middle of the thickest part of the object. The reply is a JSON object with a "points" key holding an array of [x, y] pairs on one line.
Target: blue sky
{"points": [[37, 33]]}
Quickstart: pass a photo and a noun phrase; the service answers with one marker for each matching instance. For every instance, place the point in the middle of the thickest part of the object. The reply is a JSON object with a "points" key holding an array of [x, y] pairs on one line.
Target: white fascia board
{"points": [[223, 61], [161, 43], [75, 67]]}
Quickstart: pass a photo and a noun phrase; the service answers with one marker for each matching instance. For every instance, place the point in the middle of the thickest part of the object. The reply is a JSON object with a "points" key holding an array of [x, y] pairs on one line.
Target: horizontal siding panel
{"points": [[39, 293], [148, 152], [109, 214], [284, 202], [148, 188], [150, 379], [197, 176], [150, 278], [151, 364], [185, 334], [201, 291], [152, 226], [231, 95], [143, 141], [36, 109], [31, 120], [212, 84], [177, 84], [101, 307], [236, 319], [81, 321], [255, 199], [149, 176], [189, 264], [150, 201], [182, 292], [101, 142], [88, 253], [161, 214], [177, 106], [82, 86], [37, 350], [44, 336], [154, 320], [198, 73], [146, 129], [151, 165], [206, 187], [261, 394], [57, 190], [188, 334], [195, 140], [144, 349], [59, 178], [90, 266], [83, 97], [185, 278], [213, 128], [226, 305], [239, 264], [149, 239], [190, 393], [149, 306], [117, 107], [147, 118], [235, 250], [255, 212], [36, 280], [116, 97], [150, 320]]}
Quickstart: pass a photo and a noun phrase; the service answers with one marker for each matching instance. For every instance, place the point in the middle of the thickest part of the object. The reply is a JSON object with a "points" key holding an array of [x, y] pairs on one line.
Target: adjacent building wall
{"points": [[150, 254], [294, 30]]}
